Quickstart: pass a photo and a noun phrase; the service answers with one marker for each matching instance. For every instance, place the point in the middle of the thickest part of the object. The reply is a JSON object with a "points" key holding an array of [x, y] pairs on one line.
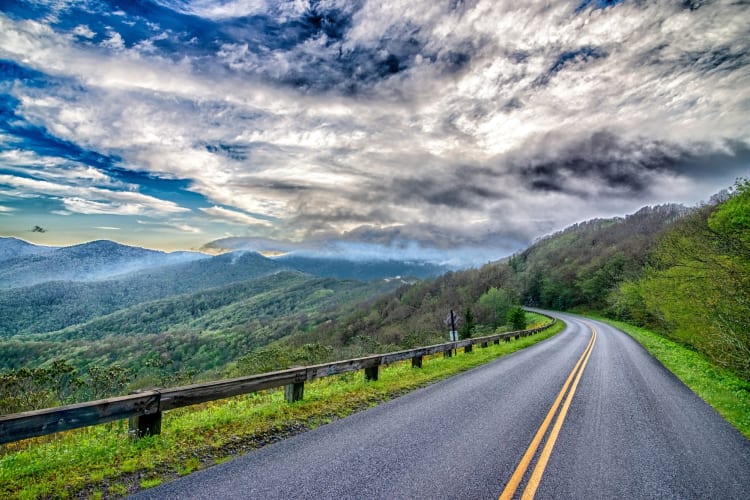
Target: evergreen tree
{"points": [[467, 329], [517, 318]]}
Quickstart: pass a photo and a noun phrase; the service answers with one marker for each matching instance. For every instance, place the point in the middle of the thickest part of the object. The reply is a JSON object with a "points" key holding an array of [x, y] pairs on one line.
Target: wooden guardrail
{"points": [[144, 409]]}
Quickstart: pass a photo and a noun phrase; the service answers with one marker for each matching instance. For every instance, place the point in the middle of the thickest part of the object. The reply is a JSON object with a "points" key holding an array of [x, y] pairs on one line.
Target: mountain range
{"points": [[48, 289], [24, 264], [102, 302], [241, 312]]}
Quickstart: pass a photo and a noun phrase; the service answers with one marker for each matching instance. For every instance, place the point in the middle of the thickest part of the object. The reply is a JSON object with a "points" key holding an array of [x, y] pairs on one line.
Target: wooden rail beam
{"points": [[48, 421]]}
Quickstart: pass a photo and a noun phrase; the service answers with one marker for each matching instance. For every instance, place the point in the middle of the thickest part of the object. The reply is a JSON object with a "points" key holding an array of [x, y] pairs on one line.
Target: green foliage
{"points": [[58, 383], [469, 325], [517, 318], [732, 220], [493, 306], [582, 265], [107, 381], [276, 357], [697, 288], [171, 341], [23, 390]]}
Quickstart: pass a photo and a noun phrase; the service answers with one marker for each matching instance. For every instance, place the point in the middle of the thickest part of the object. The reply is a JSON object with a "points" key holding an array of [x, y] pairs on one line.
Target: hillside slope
{"points": [[198, 331], [578, 266], [55, 305], [363, 270]]}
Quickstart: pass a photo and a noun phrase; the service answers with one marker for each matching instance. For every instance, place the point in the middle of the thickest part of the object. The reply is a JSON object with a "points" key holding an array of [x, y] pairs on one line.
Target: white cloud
{"points": [[234, 216], [187, 228], [84, 31], [221, 9], [94, 200], [114, 42]]}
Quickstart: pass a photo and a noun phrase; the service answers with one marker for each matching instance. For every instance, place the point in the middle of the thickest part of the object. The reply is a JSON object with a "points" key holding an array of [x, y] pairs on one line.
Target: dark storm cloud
{"points": [[457, 189], [626, 167]]}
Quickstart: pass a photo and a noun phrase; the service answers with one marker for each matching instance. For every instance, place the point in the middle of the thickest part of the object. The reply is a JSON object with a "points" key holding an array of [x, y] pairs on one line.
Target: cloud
{"points": [[219, 10], [234, 216], [84, 31], [173, 225], [94, 200], [435, 124]]}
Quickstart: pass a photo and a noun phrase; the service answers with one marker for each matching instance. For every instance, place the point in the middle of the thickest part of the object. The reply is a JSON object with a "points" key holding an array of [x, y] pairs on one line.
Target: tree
{"points": [[107, 381], [467, 329], [494, 305], [517, 318]]}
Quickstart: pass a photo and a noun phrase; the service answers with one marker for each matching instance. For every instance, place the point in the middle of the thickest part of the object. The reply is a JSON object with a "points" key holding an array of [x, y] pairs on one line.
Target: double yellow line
{"points": [[541, 464]]}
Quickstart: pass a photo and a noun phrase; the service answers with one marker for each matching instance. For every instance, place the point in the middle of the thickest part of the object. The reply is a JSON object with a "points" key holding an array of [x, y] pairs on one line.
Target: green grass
{"points": [[102, 461], [723, 390]]}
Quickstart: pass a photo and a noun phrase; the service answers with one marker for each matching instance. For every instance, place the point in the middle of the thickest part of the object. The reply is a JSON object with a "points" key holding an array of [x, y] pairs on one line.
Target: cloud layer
{"points": [[442, 126]]}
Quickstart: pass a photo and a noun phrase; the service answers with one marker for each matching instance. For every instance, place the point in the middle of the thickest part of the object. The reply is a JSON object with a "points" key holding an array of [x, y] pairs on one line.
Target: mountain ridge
{"points": [[29, 264]]}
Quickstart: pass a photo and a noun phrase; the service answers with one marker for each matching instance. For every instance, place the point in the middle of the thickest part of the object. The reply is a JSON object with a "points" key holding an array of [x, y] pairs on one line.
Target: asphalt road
{"points": [[625, 428]]}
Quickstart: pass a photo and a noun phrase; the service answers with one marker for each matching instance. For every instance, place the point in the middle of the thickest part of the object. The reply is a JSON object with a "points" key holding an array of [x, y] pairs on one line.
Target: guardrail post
{"points": [[416, 362], [468, 348], [496, 341], [294, 392], [484, 345], [148, 424], [371, 374], [448, 353]]}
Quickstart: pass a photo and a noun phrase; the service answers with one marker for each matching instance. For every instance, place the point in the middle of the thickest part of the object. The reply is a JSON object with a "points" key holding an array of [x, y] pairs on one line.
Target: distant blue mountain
{"points": [[24, 264], [362, 270], [13, 247]]}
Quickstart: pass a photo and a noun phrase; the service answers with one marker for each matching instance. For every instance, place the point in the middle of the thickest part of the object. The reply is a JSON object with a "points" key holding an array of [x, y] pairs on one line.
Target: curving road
{"points": [[615, 424]]}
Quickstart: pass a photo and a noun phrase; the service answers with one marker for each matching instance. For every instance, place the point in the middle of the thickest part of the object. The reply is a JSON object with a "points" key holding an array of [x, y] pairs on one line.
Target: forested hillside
{"points": [[363, 270], [577, 267], [11, 248], [684, 272], [58, 304], [696, 286]]}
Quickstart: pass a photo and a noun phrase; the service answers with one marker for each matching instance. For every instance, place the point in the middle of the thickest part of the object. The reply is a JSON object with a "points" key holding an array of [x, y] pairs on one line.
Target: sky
{"points": [[454, 131]]}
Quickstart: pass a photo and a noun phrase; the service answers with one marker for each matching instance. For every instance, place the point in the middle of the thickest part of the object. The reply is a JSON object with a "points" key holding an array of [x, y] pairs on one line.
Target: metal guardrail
{"points": [[144, 409]]}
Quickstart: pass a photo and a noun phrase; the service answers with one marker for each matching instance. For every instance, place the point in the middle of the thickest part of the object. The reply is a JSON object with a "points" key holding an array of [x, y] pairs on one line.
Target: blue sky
{"points": [[456, 130]]}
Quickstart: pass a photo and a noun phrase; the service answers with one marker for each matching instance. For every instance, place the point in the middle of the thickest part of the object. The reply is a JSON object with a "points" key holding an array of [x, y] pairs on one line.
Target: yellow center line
{"points": [[523, 465], [541, 465]]}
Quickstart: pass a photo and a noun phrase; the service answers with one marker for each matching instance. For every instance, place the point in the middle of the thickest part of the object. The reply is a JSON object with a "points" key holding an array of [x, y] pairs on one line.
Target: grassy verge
{"points": [[723, 390], [102, 462]]}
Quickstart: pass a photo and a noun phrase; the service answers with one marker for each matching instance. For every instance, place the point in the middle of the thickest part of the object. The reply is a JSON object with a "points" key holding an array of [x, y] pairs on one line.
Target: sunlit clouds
{"points": [[434, 127]]}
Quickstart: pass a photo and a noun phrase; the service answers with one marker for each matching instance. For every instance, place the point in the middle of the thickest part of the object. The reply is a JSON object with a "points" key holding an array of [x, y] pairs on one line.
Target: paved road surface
{"points": [[623, 427]]}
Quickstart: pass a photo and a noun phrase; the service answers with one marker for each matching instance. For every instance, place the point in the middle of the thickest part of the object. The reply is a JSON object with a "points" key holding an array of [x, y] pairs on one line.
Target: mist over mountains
{"points": [[24, 264], [45, 289]]}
